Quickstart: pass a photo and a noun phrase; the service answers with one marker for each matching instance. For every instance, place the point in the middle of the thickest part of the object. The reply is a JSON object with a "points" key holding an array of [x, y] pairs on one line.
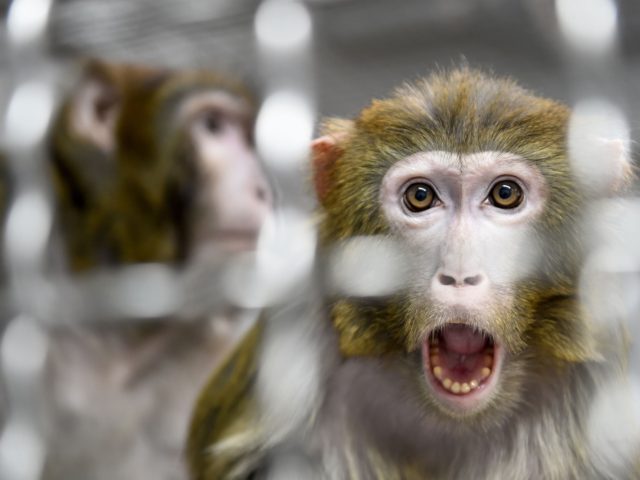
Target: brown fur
{"points": [[130, 205], [121, 393], [373, 417]]}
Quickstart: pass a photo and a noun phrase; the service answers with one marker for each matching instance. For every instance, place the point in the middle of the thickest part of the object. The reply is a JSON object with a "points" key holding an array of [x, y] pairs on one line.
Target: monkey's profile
{"points": [[484, 364], [149, 165], [155, 165]]}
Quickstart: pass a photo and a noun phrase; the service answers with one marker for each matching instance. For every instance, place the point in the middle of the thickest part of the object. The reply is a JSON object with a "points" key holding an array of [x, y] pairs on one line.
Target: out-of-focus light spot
{"points": [[242, 285], [289, 375], [512, 256], [589, 25], [27, 19], [610, 278], [614, 427], [284, 258], [284, 129], [145, 292], [368, 266], [614, 223], [610, 260], [283, 24], [21, 452], [598, 144], [286, 248], [610, 287], [28, 227], [28, 114], [23, 349]]}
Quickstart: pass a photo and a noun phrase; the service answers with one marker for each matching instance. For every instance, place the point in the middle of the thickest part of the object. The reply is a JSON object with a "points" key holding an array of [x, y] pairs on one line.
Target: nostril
{"points": [[449, 280], [475, 280], [446, 279]]}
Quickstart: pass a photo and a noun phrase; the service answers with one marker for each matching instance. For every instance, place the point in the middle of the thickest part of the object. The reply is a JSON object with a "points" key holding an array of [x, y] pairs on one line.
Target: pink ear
{"points": [[93, 109], [325, 151]]}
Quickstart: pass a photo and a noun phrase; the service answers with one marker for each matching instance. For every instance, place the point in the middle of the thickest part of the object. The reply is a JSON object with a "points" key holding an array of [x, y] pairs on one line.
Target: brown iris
{"points": [[506, 194], [419, 197]]}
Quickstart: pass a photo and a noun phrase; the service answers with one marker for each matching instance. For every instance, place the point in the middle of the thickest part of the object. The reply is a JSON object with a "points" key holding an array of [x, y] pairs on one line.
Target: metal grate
{"points": [[353, 51]]}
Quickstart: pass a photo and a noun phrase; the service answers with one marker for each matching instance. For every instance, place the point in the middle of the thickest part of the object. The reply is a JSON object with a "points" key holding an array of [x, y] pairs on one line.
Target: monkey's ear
{"points": [[94, 106], [325, 151]]}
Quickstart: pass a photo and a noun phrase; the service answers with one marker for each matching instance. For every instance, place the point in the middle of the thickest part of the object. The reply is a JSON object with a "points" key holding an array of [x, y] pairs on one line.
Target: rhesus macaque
{"points": [[153, 165], [149, 165], [484, 364]]}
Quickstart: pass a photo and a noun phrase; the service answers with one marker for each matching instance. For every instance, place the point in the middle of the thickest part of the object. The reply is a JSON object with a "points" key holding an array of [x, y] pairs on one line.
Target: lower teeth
{"points": [[457, 387]]}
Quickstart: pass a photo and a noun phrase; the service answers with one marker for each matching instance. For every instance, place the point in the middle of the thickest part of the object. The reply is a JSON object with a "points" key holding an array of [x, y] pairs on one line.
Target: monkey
{"points": [[483, 362], [123, 151], [148, 165]]}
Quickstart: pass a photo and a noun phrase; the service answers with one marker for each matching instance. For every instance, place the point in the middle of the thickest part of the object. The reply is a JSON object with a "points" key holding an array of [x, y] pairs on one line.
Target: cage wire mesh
{"points": [[308, 59]]}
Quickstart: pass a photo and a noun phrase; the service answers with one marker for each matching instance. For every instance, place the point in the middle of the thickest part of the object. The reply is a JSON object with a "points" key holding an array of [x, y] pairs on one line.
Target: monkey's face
{"points": [[467, 221], [161, 165], [471, 177], [231, 196]]}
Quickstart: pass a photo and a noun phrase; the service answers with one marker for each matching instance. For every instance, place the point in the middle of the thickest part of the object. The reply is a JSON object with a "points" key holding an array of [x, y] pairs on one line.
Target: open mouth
{"points": [[461, 364]]}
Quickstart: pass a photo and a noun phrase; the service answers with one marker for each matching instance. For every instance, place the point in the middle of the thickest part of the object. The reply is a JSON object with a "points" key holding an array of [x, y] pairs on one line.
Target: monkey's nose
{"points": [[460, 280]]}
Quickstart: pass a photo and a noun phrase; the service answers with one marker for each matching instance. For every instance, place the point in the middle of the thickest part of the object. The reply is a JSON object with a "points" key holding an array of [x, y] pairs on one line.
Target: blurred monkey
{"points": [[154, 165], [149, 165]]}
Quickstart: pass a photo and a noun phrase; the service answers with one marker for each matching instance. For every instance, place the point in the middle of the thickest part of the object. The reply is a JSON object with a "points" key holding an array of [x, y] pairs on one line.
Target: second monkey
{"points": [[150, 165]]}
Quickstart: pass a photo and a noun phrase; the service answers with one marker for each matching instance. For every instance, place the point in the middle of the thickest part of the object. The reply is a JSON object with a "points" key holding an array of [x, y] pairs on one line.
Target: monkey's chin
{"points": [[223, 242], [462, 366]]}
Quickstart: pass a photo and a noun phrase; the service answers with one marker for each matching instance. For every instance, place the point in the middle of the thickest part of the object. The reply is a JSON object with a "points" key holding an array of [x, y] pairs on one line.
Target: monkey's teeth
{"points": [[457, 387], [454, 363]]}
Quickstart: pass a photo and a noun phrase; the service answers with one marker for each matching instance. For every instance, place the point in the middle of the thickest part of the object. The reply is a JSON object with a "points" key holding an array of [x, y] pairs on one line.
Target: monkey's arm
{"points": [[225, 436]]}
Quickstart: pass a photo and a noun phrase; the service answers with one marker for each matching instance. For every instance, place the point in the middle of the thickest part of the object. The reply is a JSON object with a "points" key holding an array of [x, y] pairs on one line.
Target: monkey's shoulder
{"points": [[225, 436]]}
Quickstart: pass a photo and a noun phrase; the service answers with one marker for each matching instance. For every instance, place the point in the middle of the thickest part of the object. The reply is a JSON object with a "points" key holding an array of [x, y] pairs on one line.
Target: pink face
{"points": [[233, 197], [468, 220]]}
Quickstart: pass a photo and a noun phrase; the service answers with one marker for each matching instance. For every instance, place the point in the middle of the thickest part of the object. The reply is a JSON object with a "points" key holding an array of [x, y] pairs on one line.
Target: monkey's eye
{"points": [[506, 194], [419, 197], [213, 121]]}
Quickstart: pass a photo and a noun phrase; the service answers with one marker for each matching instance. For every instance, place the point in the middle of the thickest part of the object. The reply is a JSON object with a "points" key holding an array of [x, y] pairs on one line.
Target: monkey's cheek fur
{"points": [[462, 366]]}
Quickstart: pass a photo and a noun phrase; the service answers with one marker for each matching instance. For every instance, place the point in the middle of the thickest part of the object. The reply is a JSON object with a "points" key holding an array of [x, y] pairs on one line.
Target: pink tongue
{"points": [[462, 339]]}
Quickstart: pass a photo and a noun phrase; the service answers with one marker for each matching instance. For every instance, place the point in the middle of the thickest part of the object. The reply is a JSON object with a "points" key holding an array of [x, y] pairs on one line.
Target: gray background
{"points": [[363, 48]]}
